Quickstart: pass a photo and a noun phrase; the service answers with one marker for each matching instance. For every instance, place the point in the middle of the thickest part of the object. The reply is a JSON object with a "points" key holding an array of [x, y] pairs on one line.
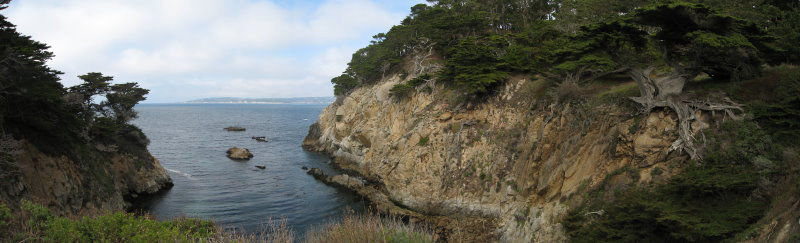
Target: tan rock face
{"points": [[509, 158], [239, 153]]}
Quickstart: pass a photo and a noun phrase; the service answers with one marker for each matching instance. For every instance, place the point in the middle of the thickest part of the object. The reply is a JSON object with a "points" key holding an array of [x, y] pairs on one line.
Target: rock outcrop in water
{"points": [[236, 153]]}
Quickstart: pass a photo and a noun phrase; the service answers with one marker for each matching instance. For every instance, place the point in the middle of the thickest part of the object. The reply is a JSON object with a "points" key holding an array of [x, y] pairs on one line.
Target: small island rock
{"points": [[239, 153], [235, 129], [261, 167]]}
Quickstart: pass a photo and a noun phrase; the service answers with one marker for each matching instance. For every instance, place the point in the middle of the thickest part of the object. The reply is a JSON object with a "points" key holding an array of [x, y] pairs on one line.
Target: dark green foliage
{"points": [[707, 202], [529, 51], [126, 138], [31, 103], [572, 14], [93, 84], [343, 84], [403, 89], [121, 100], [36, 107], [369, 64], [439, 28], [475, 66], [781, 19], [5, 218], [774, 101], [482, 43], [695, 38]]}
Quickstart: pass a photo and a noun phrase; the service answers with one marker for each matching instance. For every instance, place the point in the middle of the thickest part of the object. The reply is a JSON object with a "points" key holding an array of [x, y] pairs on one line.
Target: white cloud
{"points": [[206, 48]]}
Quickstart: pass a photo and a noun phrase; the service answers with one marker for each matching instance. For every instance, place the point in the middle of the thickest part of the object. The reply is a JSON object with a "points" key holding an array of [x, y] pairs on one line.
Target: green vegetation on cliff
{"points": [[479, 44]]}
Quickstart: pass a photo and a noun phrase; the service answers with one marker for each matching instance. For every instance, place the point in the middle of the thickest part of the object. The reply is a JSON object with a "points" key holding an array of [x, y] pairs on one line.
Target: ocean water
{"points": [[190, 142]]}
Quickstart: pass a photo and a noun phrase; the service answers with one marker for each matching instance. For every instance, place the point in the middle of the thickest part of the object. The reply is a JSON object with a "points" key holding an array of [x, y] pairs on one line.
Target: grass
{"points": [[622, 91], [36, 223], [423, 141], [370, 228]]}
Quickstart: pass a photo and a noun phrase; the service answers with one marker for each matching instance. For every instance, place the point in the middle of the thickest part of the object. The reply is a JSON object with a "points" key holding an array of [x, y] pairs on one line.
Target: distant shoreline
{"points": [[274, 101], [258, 101], [231, 103]]}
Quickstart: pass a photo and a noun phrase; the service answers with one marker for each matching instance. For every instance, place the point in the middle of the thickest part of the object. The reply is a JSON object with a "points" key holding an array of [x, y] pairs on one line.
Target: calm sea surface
{"points": [[190, 142]]}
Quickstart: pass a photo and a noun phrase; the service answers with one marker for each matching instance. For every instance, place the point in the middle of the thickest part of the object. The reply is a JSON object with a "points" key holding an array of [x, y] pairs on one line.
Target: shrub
{"points": [[567, 92], [423, 141], [775, 102], [5, 218], [43, 226], [123, 227], [38, 215]]}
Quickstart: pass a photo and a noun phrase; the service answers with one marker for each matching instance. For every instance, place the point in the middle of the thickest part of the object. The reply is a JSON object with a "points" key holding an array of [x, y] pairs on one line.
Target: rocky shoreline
{"points": [[466, 228]]}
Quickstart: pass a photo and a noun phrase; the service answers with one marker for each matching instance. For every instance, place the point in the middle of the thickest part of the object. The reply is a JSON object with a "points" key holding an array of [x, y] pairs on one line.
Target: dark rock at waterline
{"points": [[261, 167], [304, 168], [317, 174], [260, 139], [239, 153], [235, 129], [371, 192]]}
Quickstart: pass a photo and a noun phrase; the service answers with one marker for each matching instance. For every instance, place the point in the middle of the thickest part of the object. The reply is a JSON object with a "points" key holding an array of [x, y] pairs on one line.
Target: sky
{"points": [[189, 49]]}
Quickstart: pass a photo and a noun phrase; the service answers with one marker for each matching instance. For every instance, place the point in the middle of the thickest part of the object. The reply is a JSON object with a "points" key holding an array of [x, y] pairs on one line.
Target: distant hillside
{"points": [[298, 100]]}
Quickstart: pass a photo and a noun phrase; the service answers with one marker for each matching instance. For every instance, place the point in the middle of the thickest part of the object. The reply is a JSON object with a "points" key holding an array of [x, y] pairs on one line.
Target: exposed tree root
{"points": [[666, 91]]}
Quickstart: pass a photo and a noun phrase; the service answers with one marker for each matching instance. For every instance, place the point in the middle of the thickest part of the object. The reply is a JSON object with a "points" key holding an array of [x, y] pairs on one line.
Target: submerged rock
{"points": [[235, 129], [239, 153]]}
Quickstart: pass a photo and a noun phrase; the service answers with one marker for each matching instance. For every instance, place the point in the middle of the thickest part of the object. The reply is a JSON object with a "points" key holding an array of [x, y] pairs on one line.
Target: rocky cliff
{"points": [[85, 182], [518, 157]]}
